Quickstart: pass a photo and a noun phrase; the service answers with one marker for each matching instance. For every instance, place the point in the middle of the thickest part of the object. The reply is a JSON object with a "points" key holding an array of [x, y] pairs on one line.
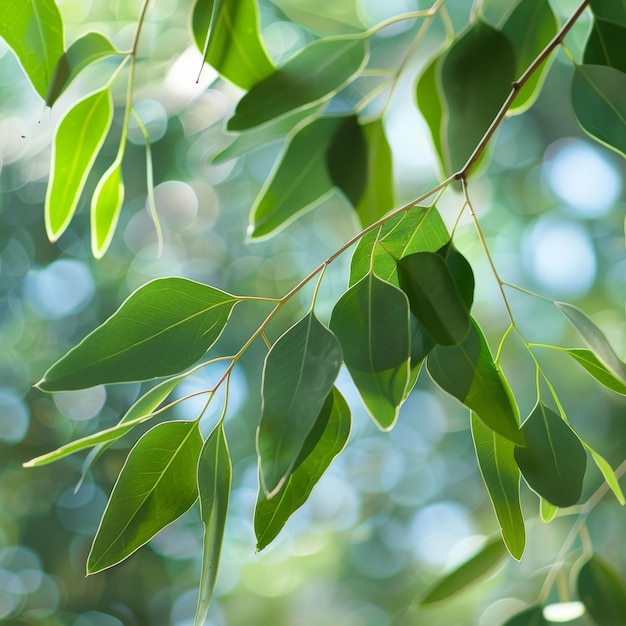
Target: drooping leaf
{"points": [[602, 591], [530, 27], [155, 487], [466, 574], [461, 272], [434, 297], [106, 205], [607, 473], [599, 102], [428, 98], [86, 50], [227, 33], [326, 440], [371, 321], [547, 511], [476, 76], [161, 329], [76, 144], [553, 462], [34, 31], [496, 461], [214, 479], [299, 373], [610, 10], [604, 45], [530, 617], [467, 372], [597, 369], [299, 180], [314, 74]]}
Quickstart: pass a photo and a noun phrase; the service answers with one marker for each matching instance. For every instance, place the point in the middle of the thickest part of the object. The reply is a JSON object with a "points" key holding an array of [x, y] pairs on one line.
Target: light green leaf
{"points": [[76, 144], [496, 461], [34, 31], [604, 45], [106, 204], [161, 329], [156, 485], [428, 98], [227, 33], [599, 102], [324, 443], [597, 369], [530, 617], [547, 511], [371, 321], [553, 462], [314, 74], [607, 473], [610, 10], [467, 372], [602, 591], [298, 374], [214, 480], [466, 574], [530, 27], [85, 51]]}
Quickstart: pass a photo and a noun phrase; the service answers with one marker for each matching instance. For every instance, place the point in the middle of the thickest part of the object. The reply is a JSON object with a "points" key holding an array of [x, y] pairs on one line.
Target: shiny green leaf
{"points": [[605, 45], [106, 205], [553, 462], [34, 31], [496, 461], [214, 480], [607, 473], [299, 373], [597, 369], [227, 32], [314, 74], [76, 144], [602, 591], [428, 98], [466, 574], [371, 321], [547, 511], [530, 617], [326, 440], [610, 10], [156, 485], [161, 329]]}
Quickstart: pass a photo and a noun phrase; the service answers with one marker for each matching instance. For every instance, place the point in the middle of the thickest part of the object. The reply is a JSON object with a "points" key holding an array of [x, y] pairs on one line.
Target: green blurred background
{"points": [[395, 509]]}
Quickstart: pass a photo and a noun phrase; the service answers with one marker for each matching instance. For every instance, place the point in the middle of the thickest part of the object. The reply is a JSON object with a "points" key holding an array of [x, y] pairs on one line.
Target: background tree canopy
{"points": [[339, 283]]}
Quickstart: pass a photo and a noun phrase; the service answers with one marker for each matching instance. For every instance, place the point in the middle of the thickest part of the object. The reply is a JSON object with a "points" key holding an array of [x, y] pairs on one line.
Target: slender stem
{"points": [[411, 15]]}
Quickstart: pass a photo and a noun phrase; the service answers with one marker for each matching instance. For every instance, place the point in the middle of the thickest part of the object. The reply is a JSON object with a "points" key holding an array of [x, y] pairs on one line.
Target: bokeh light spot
{"points": [[81, 405], [13, 418]]}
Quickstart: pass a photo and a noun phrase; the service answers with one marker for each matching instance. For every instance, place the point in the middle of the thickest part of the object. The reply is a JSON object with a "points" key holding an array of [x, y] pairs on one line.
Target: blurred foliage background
{"points": [[395, 509]]}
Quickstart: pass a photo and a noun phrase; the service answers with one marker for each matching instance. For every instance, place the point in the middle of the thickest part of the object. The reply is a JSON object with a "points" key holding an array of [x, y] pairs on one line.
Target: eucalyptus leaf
{"points": [[610, 10], [156, 485], [604, 45], [607, 473], [547, 511], [106, 204], [530, 617], [161, 329], [602, 591], [597, 369], [429, 101]]}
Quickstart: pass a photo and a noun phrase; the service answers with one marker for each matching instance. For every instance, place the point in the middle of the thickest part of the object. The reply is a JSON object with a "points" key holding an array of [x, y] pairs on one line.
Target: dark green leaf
{"points": [[299, 373], [468, 573], [499, 470], [553, 462], [106, 205], [371, 321], [155, 487], [326, 440], [599, 102], [227, 32], [530, 617], [428, 97], [434, 297], [34, 31], [476, 77], [467, 372], [76, 144], [86, 50], [610, 10], [214, 479], [605, 45], [161, 329], [312, 75], [461, 272], [597, 369], [602, 591]]}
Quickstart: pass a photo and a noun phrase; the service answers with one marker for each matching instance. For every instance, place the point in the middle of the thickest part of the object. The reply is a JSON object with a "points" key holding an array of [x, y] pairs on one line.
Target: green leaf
{"points": [[314, 74], [85, 51], [476, 77], [76, 144], [530, 617], [610, 10], [467, 372], [604, 45], [106, 204], [530, 27], [602, 591], [371, 321], [214, 480], [156, 485], [461, 272], [599, 102], [324, 443], [298, 374], [161, 329], [547, 511], [466, 574], [607, 473], [597, 369], [299, 180], [595, 339], [496, 461], [434, 297], [428, 98], [34, 31], [227, 33], [553, 462]]}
